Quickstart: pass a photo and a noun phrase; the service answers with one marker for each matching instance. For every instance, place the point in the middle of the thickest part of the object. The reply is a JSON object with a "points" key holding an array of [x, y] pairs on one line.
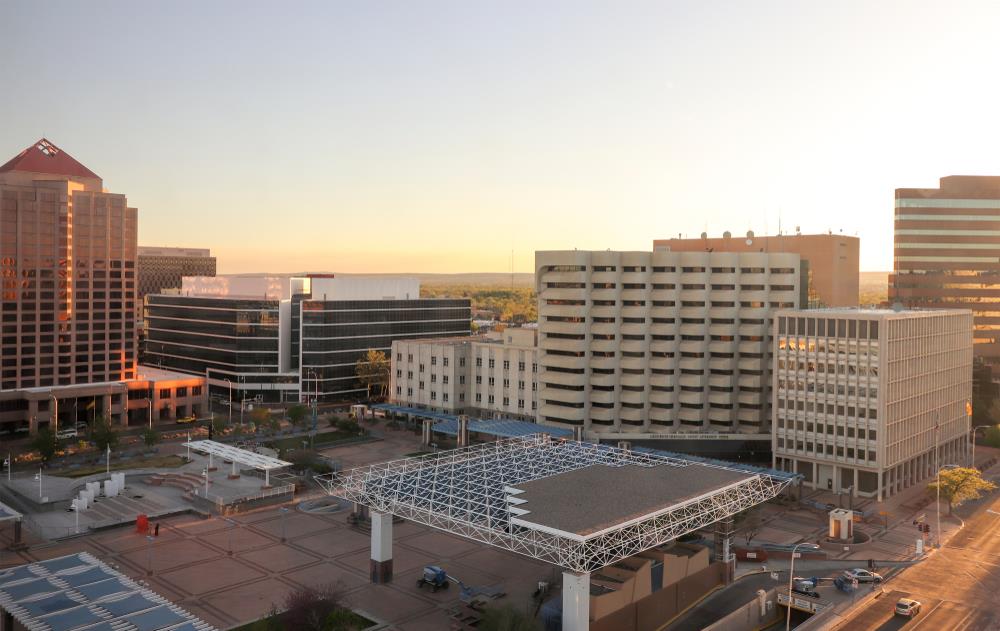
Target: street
{"points": [[957, 585]]}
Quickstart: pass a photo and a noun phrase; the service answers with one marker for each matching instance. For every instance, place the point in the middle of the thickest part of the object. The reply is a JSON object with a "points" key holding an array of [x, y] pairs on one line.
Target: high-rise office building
{"points": [[160, 269], [871, 400], [280, 338], [832, 258], [660, 343], [68, 301], [947, 241], [68, 254]]}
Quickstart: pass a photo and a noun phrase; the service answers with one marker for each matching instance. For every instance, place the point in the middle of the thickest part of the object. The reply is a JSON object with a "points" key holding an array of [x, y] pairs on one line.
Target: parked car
{"points": [[69, 432], [804, 587], [862, 576], [187, 419], [907, 607]]}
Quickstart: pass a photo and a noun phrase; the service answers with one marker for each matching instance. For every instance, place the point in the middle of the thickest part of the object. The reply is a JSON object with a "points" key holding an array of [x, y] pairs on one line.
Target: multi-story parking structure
{"points": [[871, 401], [660, 343]]}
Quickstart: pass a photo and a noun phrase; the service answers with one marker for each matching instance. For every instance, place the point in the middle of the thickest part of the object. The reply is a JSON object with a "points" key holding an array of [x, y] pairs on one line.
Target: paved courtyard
{"points": [[231, 571]]}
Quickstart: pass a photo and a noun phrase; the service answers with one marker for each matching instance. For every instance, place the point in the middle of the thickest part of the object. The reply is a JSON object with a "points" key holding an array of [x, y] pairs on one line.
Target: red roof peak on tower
{"points": [[45, 157]]}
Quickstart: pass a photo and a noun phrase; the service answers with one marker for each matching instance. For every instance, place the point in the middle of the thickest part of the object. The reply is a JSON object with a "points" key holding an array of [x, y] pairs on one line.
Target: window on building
{"points": [[479, 362], [444, 361], [492, 362], [434, 360], [164, 393]]}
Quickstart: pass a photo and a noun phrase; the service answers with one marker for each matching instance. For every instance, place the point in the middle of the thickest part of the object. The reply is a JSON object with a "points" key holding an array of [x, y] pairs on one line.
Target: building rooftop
{"points": [[627, 494], [148, 250], [45, 157], [881, 312]]}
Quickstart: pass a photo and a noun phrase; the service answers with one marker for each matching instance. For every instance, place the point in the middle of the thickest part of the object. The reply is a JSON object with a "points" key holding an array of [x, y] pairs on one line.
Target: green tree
{"points": [[260, 417], [507, 618], [372, 371], [45, 443], [959, 485], [150, 437], [992, 436], [218, 426], [297, 414], [104, 435]]}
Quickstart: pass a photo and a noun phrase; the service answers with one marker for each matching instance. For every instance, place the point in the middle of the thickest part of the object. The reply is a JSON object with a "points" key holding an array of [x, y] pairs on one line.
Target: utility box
{"points": [[842, 524]]}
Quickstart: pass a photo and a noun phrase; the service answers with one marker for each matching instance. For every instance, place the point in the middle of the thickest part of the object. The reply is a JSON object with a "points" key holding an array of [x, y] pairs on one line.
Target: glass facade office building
{"points": [[335, 334], [271, 349]]}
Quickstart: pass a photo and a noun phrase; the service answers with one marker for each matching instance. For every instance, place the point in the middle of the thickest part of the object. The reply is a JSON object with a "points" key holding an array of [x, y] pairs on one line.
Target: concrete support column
{"points": [[7, 621], [576, 601], [463, 430], [724, 529], [17, 532], [154, 403], [106, 408], [123, 417], [426, 434], [381, 557], [578, 433]]}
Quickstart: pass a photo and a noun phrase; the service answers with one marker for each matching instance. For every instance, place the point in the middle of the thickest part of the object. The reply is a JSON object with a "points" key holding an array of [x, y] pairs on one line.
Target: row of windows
{"points": [[828, 327], [830, 369], [665, 268], [829, 450], [829, 409]]}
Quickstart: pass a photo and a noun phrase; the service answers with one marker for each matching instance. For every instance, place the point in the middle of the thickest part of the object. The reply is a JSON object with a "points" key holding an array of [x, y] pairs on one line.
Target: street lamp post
{"points": [[791, 574], [937, 465], [150, 410], [283, 511], [149, 555], [230, 401], [232, 527]]}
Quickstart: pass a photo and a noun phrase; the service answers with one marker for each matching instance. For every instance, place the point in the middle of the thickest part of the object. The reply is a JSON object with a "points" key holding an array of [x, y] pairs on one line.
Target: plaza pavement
{"points": [[191, 562]]}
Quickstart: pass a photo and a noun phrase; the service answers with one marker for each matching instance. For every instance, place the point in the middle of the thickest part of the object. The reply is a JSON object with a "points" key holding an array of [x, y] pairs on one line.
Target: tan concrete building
{"points": [[864, 398], [489, 376], [657, 344], [832, 260]]}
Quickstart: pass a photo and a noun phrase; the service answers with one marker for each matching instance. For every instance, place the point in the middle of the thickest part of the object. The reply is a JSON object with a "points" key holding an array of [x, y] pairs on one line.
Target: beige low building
{"points": [[865, 398], [658, 344], [164, 394], [485, 376]]}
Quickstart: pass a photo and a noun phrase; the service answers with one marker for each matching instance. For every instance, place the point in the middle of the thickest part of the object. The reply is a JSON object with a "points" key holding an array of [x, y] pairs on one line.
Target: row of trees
{"points": [[101, 432], [515, 305]]}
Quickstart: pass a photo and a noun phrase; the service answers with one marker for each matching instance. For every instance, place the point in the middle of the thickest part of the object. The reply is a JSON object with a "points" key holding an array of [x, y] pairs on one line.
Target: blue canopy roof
{"points": [[503, 427]]}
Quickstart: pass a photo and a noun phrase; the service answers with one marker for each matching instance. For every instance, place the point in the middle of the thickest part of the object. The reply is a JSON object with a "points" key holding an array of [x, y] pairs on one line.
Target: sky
{"points": [[425, 136]]}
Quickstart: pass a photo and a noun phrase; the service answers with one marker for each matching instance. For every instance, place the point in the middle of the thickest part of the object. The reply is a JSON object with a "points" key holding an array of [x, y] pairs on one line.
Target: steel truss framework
{"points": [[462, 491]]}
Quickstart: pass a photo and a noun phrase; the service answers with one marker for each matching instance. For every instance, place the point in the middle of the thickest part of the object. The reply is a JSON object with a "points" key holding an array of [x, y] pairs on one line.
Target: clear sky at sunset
{"points": [[420, 136]]}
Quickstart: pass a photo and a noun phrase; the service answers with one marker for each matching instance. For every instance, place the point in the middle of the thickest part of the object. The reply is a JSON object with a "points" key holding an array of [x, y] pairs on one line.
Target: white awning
{"points": [[242, 456]]}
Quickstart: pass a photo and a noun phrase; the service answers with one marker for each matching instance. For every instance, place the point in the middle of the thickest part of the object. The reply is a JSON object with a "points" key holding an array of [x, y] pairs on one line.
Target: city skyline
{"points": [[451, 138]]}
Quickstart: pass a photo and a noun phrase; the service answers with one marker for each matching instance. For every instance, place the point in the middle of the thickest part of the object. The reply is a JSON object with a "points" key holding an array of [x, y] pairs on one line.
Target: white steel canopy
{"points": [[235, 454], [484, 492]]}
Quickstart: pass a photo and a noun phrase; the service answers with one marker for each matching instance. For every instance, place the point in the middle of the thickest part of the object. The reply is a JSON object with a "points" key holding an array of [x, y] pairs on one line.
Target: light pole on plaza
{"points": [[791, 574]]}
